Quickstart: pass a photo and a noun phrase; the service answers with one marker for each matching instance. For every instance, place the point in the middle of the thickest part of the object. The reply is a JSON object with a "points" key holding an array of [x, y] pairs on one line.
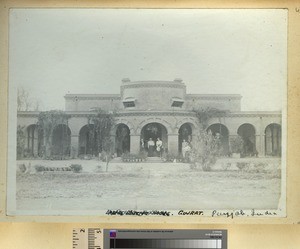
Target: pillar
{"points": [[74, 145], [173, 143], [134, 144], [261, 144], [35, 142]]}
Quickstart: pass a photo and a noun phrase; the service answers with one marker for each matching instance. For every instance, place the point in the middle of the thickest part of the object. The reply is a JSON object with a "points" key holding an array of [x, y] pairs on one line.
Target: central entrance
{"points": [[154, 139]]}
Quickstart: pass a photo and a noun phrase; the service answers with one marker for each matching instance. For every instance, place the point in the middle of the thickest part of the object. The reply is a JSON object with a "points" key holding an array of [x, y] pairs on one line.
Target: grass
{"points": [[147, 186]]}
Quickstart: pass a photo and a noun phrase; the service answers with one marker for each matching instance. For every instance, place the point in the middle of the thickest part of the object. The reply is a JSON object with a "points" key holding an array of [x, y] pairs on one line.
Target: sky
{"points": [[53, 52]]}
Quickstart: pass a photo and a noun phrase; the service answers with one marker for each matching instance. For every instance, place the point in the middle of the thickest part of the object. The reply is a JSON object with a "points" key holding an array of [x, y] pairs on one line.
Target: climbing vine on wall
{"points": [[103, 123], [47, 121], [203, 115]]}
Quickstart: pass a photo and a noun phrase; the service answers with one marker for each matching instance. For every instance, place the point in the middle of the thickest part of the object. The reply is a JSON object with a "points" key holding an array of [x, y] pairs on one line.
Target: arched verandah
{"points": [[88, 140], [223, 133], [153, 133], [247, 133], [61, 140], [34, 141], [122, 142], [273, 140], [185, 133]]}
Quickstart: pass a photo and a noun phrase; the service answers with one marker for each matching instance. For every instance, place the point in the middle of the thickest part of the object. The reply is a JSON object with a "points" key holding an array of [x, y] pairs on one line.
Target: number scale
{"points": [[87, 238]]}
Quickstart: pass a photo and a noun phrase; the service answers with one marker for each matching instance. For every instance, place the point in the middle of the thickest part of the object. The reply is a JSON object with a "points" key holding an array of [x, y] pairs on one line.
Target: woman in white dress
{"points": [[159, 146], [150, 145]]}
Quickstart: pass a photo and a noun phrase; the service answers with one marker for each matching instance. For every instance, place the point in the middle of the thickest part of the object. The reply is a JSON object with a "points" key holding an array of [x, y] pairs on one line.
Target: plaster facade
{"points": [[161, 109]]}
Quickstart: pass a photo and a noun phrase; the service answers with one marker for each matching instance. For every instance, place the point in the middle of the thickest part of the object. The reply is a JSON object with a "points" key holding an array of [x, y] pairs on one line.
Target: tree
{"points": [[25, 102], [206, 147], [47, 121], [103, 123], [203, 115], [237, 144]]}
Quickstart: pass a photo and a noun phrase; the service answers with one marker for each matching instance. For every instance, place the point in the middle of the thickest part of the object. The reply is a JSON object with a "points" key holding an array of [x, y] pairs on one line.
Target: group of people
{"points": [[152, 147]]}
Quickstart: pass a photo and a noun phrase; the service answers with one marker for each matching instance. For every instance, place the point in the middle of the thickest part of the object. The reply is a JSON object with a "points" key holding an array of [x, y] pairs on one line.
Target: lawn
{"points": [[145, 186]]}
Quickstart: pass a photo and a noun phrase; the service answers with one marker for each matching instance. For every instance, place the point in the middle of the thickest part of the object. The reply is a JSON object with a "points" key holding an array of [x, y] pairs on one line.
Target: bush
{"points": [[206, 148], [236, 144], [22, 168], [226, 166], [259, 167], [243, 166], [76, 168], [40, 168]]}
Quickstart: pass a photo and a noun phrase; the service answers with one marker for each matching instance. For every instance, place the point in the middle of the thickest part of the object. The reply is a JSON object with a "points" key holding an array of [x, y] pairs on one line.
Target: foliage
{"points": [[25, 102], [205, 150], [103, 123], [22, 168], [76, 168], [39, 168], [47, 121], [236, 144], [20, 141], [203, 115], [244, 166]]}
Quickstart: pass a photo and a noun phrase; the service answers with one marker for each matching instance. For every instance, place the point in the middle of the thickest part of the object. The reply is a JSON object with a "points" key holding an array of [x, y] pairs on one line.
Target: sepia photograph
{"points": [[117, 110]]}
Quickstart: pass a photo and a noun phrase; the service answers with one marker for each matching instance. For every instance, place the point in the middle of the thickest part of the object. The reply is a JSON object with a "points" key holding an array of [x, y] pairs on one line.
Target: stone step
{"points": [[148, 160]]}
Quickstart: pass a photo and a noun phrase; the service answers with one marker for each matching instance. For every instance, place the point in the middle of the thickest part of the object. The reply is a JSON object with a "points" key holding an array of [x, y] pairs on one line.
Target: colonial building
{"points": [[156, 109]]}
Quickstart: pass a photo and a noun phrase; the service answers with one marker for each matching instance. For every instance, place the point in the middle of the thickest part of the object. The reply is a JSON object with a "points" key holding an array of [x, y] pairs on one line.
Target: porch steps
{"points": [[149, 160]]}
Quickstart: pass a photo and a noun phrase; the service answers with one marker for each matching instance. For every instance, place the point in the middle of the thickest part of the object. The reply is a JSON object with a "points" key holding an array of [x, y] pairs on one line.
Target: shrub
{"points": [[236, 144], [22, 168], [259, 167], [205, 150], [76, 168], [226, 166], [40, 168], [243, 166]]}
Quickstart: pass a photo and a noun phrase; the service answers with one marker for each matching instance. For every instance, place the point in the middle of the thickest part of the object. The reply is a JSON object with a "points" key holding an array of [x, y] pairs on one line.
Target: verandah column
{"points": [[173, 143], [134, 143], [74, 146]]}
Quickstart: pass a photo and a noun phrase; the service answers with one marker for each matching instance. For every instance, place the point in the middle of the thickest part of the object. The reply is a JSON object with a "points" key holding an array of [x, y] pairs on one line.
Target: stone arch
{"points": [[185, 134], [221, 130], [248, 133], [151, 133], [33, 141], [273, 139], [61, 140], [161, 121], [125, 122], [87, 140], [122, 140], [190, 121]]}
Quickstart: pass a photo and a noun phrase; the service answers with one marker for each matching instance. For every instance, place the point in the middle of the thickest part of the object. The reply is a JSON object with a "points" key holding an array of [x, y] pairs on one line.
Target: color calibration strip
{"points": [[166, 243], [87, 238]]}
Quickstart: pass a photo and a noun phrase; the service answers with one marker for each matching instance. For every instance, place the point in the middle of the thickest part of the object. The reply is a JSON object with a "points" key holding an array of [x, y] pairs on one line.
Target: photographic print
{"points": [[147, 110]]}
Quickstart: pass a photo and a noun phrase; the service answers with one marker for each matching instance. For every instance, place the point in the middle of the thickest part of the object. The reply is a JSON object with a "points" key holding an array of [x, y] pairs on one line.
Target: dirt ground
{"points": [[144, 186]]}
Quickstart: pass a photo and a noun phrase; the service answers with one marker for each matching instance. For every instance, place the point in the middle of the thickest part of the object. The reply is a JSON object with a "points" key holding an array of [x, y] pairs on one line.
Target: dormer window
{"points": [[177, 102], [129, 102]]}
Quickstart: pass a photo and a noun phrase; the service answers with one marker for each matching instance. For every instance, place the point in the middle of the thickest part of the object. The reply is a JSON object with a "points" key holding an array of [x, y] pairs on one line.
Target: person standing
{"points": [[159, 146], [151, 145]]}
